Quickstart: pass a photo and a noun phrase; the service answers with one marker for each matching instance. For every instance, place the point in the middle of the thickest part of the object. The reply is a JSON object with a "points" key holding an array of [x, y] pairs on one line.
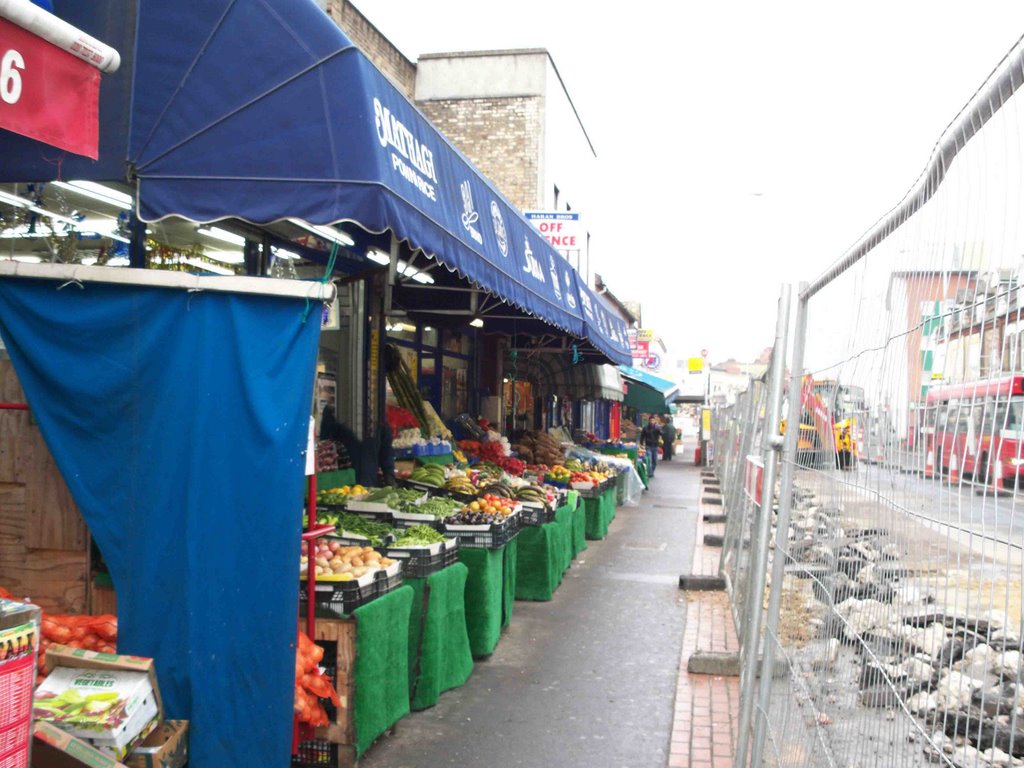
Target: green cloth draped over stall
{"points": [[579, 524], [600, 513], [597, 521], [546, 552], [484, 597], [381, 672], [509, 577], [439, 655]]}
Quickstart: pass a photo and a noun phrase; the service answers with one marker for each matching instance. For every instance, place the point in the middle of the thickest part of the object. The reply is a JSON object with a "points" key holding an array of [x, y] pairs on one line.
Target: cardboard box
{"points": [[54, 748], [109, 701], [166, 747], [19, 644]]}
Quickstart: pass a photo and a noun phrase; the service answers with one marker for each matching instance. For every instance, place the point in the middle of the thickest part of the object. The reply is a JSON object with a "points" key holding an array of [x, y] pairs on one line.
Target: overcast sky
{"points": [[741, 144]]}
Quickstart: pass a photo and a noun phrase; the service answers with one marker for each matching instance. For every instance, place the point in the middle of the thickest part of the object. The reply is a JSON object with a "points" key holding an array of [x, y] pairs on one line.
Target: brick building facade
{"points": [[500, 136]]}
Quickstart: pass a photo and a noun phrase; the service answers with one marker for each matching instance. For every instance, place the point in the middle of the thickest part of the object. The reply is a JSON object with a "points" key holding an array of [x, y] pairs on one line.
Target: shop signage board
{"points": [[563, 229], [46, 93]]}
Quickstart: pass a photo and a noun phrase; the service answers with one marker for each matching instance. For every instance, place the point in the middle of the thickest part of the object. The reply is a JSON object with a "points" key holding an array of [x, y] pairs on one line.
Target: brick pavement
{"points": [[707, 706]]}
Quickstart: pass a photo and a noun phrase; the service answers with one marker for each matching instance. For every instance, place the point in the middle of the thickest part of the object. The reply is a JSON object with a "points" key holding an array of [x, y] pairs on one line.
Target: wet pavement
{"points": [[589, 678]]}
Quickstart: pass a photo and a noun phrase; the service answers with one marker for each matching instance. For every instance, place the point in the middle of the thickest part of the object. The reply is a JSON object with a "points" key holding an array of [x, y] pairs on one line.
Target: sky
{"points": [[740, 145]]}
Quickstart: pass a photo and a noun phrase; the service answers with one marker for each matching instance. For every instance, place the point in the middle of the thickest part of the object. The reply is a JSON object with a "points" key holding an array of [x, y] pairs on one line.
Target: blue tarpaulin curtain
{"points": [[179, 421]]}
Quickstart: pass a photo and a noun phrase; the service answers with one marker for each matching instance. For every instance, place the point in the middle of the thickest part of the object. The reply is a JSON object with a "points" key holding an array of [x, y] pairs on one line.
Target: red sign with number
{"points": [[47, 94]]}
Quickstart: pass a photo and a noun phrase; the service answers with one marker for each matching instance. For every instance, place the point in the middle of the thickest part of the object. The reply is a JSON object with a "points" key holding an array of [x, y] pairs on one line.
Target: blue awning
{"points": [[263, 110], [604, 329], [667, 388]]}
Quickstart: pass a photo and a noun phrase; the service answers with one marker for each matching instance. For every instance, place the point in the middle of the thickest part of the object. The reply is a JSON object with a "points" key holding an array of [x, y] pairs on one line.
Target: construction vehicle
{"points": [[828, 424]]}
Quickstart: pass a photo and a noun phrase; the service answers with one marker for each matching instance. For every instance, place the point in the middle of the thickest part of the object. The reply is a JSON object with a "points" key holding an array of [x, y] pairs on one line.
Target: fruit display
{"points": [[532, 493], [400, 419], [558, 474], [493, 504], [461, 484], [341, 495], [470, 517], [337, 562], [430, 474], [540, 448], [514, 467], [310, 684]]}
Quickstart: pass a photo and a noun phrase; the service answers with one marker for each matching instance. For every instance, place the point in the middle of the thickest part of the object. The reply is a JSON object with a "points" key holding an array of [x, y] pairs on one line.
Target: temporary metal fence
{"points": [[879, 607]]}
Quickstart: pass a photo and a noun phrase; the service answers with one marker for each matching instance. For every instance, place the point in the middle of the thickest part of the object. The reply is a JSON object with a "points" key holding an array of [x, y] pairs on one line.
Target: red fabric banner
{"points": [[47, 94]]}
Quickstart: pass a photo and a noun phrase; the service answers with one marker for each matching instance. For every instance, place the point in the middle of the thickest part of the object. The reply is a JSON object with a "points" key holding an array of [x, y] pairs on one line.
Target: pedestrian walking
{"points": [[669, 433], [650, 436]]}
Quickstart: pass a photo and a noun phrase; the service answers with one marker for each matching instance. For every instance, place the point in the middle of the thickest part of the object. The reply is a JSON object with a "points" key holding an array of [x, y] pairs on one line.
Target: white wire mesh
{"points": [[739, 438], [899, 638]]}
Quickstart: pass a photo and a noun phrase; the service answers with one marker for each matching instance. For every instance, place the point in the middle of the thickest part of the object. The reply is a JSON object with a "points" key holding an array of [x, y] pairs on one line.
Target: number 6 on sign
{"points": [[10, 76]]}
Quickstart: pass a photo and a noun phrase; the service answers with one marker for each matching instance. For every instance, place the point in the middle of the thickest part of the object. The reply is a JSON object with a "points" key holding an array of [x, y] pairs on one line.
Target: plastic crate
{"points": [[537, 513], [337, 599], [420, 563], [316, 753], [492, 536], [433, 490]]}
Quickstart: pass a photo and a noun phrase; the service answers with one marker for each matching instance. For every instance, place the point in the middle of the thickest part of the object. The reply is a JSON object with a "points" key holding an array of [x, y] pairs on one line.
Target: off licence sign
{"points": [[47, 94]]}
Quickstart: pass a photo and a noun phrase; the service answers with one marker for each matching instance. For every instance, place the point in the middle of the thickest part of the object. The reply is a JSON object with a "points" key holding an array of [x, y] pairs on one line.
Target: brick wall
{"points": [[387, 58], [500, 136]]}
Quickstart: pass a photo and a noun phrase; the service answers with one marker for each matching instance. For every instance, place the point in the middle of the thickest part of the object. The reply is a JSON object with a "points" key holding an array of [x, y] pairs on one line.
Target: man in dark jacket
{"points": [[650, 436], [669, 433]]}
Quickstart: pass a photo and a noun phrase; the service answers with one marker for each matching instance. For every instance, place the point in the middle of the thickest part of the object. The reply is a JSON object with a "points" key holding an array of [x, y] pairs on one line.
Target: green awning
{"points": [[645, 399]]}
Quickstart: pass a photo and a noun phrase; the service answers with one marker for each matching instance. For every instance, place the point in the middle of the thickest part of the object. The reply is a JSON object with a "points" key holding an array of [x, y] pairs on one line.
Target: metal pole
{"points": [[789, 450], [755, 596]]}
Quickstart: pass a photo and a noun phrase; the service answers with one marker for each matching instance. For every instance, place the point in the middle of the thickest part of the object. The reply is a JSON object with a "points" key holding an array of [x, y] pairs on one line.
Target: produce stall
{"points": [[439, 654], [544, 554], [367, 657]]}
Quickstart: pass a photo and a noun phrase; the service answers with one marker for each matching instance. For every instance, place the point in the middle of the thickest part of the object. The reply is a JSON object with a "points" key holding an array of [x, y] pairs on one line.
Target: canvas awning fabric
{"points": [[604, 328], [327, 139], [646, 392], [555, 374], [178, 413]]}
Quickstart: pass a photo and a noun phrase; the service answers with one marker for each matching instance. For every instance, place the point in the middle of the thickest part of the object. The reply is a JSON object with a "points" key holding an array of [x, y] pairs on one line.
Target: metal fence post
{"points": [[770, 444], [781, 527]]}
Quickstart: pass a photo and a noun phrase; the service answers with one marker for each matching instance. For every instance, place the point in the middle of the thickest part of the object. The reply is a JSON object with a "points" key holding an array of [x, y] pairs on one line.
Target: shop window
{"points": [[456, 343], [454, 387], [401, 331], [430, 336]]}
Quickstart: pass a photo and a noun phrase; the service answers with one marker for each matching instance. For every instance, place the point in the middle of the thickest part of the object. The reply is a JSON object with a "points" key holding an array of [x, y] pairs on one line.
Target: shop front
{"points": [[193, 501]]}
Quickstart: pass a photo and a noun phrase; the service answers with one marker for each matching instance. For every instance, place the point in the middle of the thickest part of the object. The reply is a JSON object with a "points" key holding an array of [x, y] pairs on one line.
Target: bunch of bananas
{"points": [[574, 465], [461, 485], [431, 474], [497, 489], [532, 493]]}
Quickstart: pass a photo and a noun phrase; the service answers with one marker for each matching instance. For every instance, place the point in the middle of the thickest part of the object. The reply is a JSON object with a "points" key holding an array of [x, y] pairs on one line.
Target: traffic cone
{"points": [[954, 470], [929, 464]]}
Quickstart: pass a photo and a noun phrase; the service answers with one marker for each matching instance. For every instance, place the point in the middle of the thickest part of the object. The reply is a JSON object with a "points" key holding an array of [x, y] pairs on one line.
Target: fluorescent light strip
{"points": [[222, 234], [228, 257], [97, 192], [328, 233], [21, 202], [378, 256]]}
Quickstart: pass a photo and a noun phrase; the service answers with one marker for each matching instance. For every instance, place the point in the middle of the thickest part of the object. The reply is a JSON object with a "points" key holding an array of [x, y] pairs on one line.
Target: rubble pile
{"points": [[959, 674]]}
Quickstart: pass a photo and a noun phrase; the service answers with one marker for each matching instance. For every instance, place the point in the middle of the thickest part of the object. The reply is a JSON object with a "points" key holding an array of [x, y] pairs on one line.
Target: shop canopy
{"points": [[605, 329], [558, 375], [646, 392], [263, 110]]}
